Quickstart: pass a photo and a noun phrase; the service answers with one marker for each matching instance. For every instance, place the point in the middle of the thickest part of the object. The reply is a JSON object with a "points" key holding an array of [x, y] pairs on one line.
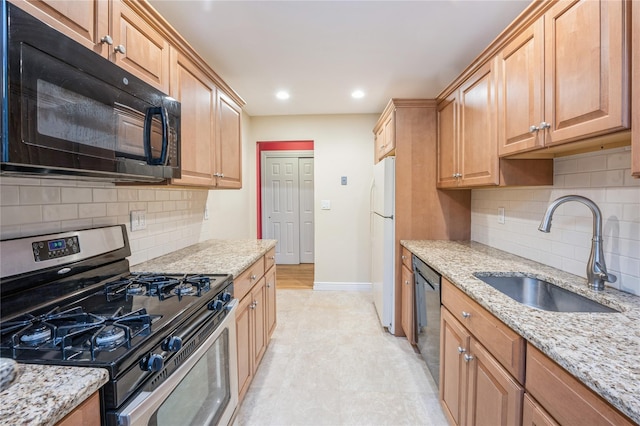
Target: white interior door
{"points": [[281, 207], [305, 170], [288, 204]]}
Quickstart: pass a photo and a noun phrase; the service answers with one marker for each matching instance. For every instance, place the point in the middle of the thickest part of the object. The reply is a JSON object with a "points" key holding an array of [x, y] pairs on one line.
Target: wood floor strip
{"points": [[295, 276]]}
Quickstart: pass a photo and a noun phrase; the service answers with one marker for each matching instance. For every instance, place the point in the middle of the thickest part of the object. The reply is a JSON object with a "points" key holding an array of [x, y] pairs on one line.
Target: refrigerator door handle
{"points": [[383, 216]]}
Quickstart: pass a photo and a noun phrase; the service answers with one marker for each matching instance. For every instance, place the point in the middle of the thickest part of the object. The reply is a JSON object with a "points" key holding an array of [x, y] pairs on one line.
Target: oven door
{"points": [[203, 391]]}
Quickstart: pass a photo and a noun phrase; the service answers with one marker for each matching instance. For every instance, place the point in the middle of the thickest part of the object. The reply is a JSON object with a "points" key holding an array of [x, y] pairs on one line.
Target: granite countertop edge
{"points": [[42, 395], [216, 256], [599, 349]]}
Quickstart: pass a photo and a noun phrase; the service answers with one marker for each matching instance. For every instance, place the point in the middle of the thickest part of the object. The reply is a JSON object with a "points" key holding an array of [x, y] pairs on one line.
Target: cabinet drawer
{"points": [[564, 397], [406, 258], [269, 259], [245, 281], [502, 342]]}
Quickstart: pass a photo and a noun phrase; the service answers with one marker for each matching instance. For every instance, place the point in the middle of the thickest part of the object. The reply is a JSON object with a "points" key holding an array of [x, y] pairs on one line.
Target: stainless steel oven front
{"points": [[202, 391]]}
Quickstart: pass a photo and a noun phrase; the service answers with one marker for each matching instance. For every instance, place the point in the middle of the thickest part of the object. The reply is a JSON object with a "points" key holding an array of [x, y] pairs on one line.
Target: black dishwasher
{"points": [[427, 290]]}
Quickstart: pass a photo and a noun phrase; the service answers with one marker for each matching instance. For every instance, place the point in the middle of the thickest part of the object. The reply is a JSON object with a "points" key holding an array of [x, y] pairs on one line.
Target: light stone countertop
{"points": [[43, 394], [602, 350], [209, 257]]}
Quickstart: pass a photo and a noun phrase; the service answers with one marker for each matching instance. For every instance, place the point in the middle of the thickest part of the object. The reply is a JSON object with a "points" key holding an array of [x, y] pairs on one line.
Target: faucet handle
{"points": [[604, 275]]}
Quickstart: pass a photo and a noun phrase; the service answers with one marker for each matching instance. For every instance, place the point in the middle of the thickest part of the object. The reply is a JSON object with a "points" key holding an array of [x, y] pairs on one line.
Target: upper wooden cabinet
{"points": [[385, 135], [197, 95], [467, 146], [113, 30], [228, 158], [565, 77]]}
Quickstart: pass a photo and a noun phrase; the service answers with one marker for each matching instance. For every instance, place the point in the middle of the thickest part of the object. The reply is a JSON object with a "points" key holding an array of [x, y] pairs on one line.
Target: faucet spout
{"points": [[597, 273]]}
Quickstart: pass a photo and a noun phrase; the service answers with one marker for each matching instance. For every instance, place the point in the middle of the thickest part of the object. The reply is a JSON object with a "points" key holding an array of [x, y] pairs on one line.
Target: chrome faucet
{"points": [[596, 269]]}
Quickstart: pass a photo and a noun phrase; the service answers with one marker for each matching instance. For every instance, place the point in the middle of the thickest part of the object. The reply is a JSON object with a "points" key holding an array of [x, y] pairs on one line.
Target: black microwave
{"points": [[67, 111]]}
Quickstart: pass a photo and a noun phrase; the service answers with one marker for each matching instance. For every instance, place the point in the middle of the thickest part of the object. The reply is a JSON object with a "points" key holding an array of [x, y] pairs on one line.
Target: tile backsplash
{"points": [[605, 178], [174, 216]]}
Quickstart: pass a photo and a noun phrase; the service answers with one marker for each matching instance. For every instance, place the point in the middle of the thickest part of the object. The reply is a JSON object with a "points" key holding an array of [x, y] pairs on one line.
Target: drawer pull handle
{"points": [[465, 314], [461, 350], [468, 358]]}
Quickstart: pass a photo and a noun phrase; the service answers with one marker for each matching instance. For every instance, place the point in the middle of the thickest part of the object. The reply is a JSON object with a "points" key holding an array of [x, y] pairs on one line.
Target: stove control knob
{"points": [[172, 344], [216, 305], [226, 296], [152, 362]]}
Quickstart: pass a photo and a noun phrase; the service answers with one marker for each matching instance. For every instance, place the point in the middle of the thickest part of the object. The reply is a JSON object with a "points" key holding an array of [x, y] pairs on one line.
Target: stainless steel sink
{"points": [[542, 294]]}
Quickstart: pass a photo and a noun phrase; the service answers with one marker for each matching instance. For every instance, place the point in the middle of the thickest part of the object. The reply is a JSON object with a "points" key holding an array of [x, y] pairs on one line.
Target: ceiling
{"points": [[321, 51]]}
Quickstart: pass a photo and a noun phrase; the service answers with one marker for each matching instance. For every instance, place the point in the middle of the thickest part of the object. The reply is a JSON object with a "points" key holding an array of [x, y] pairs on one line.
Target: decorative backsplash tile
{"points": [[38, 206], [605, 178]]}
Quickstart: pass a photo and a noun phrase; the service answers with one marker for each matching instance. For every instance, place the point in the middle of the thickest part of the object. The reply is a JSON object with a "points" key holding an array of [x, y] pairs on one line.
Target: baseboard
{"points": [[337, 286]]}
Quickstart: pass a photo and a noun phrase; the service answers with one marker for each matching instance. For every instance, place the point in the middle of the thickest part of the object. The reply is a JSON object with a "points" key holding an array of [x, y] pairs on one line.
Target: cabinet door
{"points": [[494, 397], [146, 51], [378, 153], [86, 414], [535, 415], [259, 296], [448, 142], [454, 344], [408, 305], [521, 91], [478, 140], [244, 330], [228, 160], [389, 134], [586, 69], [197, 95], [270, 278]]}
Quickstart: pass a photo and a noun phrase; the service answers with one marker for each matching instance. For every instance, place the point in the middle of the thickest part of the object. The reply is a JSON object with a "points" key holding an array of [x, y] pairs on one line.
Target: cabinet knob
{"points": [[273, 258], [120, 49], [544, 125], [253, 277], [461, 350], [252, 305], [406, 282], [465, 314], [107, 40], [403, 257], [533, 128], [468, 358], [268, 285]]}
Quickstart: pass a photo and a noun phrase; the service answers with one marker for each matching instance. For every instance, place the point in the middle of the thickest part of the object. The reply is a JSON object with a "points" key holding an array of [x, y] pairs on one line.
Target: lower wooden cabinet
{"points": [[408, 305], [255, 318], [534, 415], [85, 414], [474, 387]]}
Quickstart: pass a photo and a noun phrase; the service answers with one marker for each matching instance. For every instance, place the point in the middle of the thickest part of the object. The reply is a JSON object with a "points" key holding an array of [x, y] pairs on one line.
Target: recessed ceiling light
{"points": [[357, 94], [282, 95]]}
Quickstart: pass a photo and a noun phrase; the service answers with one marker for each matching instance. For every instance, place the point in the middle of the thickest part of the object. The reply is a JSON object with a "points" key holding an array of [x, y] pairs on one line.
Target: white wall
{"points": [[605, 178], [343, 146]]}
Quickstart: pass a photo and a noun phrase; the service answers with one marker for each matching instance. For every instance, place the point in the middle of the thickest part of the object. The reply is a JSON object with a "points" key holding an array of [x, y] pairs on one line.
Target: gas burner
{"points": [[110, 336], [135, 289], [37, 335], [184, 289]]}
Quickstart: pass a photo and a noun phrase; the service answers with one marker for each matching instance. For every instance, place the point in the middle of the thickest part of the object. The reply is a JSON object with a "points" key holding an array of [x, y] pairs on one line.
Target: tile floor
{"points": [[330, 363]]}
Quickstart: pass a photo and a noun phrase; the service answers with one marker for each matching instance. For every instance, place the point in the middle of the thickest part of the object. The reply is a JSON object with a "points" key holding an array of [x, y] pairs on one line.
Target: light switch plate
{"points": [[138, 220], [325, 204], [343, 180]]}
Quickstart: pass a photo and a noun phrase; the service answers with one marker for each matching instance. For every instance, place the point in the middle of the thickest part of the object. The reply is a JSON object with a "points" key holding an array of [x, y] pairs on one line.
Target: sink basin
{"points": [[542, 294]]}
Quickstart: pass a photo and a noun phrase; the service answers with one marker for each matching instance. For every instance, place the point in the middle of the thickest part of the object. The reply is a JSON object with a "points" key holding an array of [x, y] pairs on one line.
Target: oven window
{"points": [[203, 394]]}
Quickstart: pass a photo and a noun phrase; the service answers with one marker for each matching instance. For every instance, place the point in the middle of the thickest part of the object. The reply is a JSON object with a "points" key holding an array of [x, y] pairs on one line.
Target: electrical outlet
{"points": [[138, 220], [501, 215], [325, 204], [206, 213], [343, 180]]}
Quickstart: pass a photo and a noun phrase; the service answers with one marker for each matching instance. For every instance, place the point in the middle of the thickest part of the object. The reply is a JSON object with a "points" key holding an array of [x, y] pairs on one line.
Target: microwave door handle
{"points": [[162, 112]]}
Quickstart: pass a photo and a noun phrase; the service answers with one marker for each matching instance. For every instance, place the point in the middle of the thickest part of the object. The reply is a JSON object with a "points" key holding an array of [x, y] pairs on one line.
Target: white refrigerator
{"points": [[383, 241]]}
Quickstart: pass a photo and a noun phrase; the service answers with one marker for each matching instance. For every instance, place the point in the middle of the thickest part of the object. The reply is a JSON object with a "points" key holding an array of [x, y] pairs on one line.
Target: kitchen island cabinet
{"points": [[635, 98], [85, 414], [594, 354]]}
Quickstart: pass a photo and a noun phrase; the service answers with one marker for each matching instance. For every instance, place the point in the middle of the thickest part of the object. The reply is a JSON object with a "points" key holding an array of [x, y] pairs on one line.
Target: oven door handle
{"points": [[144, 405]]}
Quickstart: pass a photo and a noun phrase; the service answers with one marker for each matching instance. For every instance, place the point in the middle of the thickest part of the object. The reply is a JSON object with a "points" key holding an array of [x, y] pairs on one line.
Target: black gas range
{"points": [[70, 299]]}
